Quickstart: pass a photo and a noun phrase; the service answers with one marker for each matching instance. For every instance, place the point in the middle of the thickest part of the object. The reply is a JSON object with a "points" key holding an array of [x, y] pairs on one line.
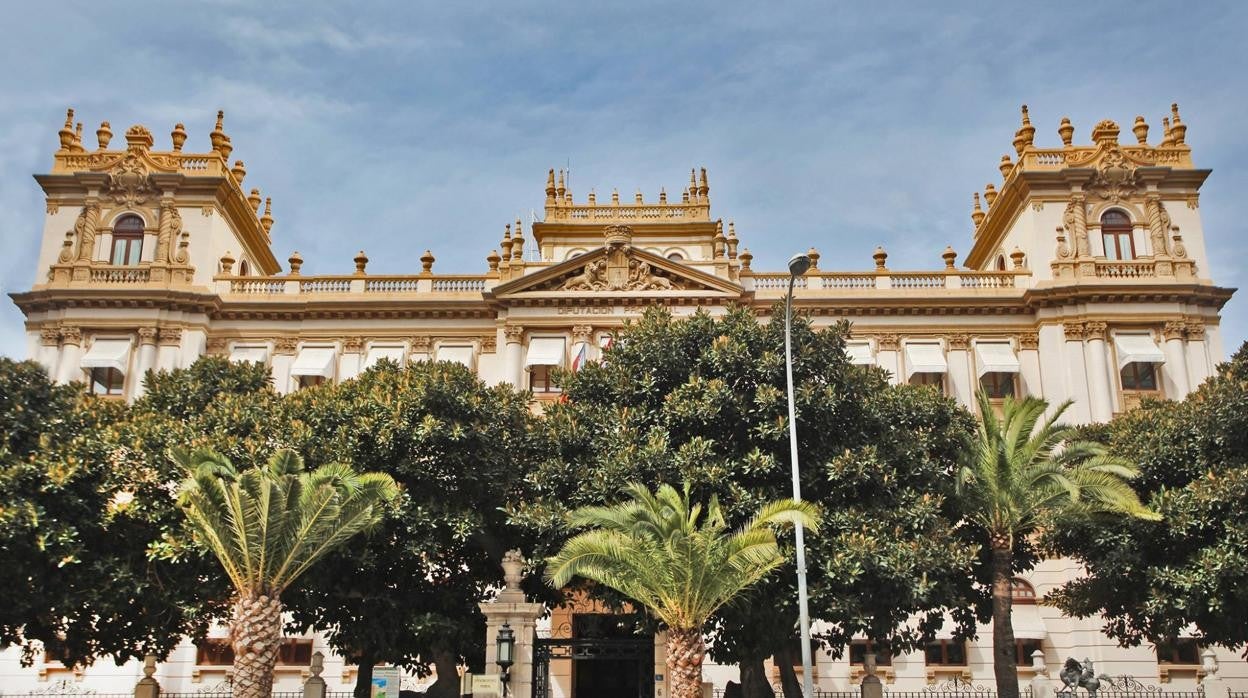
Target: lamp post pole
{"points": [[797, 266]]}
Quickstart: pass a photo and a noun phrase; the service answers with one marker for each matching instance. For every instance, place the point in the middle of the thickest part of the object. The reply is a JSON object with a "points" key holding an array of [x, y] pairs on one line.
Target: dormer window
{"points": [[127, 241], [1116, 234]]}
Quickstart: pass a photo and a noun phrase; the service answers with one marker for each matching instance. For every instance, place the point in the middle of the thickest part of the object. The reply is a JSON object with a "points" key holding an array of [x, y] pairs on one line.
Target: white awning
{"points": [[376, 353], [257, 354], [458, 354], [1028, 625], [925, 358], [314, 361], [544, 351], [108, 353], [1137, 349], [995, 357], [859, 353]]}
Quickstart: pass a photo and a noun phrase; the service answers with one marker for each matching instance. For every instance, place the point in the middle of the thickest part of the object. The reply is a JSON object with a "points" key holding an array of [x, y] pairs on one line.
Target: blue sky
{"points": [[397, 127]]}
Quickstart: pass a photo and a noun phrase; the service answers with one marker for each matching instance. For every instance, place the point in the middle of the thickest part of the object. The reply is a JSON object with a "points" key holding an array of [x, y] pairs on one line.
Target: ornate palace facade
{"points": [[1086, 279]]}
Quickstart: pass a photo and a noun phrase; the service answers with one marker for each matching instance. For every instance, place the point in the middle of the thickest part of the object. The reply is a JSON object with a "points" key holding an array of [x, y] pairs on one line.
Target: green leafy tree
{"points": [[702, 400], [1023, 469], [1150, 580], [409, 594], [678, 562], [267, 525]]}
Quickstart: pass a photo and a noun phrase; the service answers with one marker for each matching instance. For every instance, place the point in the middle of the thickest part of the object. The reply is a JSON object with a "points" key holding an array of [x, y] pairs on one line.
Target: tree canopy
{"points": [[1152, 579]]}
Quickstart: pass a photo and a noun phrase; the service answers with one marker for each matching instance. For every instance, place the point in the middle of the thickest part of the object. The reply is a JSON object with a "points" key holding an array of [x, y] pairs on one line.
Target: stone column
{"points": [[283, 357], [1175, 370], [49, 349], [1198, 364], [511, 608], [1099, 398], [1076, 369], [69, 368], [886, 357], [1029, 364], [514, 356], [351, 362], [169, 347], [961, 378], [146, 359]]}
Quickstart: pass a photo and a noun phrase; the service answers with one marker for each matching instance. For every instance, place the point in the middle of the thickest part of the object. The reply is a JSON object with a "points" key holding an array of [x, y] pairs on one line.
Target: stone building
{"points": [[1086, 279]]}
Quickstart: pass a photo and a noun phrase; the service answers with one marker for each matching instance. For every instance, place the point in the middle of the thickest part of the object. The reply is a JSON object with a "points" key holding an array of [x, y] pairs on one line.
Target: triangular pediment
{"points": [[619, 270]]}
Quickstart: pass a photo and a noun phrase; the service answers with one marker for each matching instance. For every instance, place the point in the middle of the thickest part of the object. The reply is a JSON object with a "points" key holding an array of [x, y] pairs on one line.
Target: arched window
{"points": [[675, 256], [1000, 262], [243, 269], [1116, 232], [1021, 591], [127, 240]]}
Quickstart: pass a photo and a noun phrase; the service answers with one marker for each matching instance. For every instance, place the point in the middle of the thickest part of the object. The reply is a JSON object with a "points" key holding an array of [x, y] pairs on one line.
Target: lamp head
{"points": [[506, 645], [798, 264]]}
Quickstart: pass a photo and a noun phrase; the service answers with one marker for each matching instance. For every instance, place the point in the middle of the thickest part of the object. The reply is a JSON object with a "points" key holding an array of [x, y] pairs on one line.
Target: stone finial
{"points": [[1209, 662], [1006, 167], [1105, 131], [138, 139], [615, 196], [505, 244], [296, 262], [1038, 665], [704, 189], [638, 198], [732, 240], [949, 256], [1166, 137], [492, 260], [227, 263], [1141, 130], [78, 137], [662, 195], [103, 135], [560, 188], [684, 196], [513, 569], [746, 258], [593, 198], [227, 147], [318, 664], [1026, 134], [1017, 256], [814, 258], [990, 194], [719, 243], [517, 242], [426, 262], [977, 213], [361, 261], [66, 133], [1178, 129], [217, 136], [693, 184], [267, 219], [880, 257], [239, 172], [550, 186], [178, 136], [1066, 131], [254, 199]]}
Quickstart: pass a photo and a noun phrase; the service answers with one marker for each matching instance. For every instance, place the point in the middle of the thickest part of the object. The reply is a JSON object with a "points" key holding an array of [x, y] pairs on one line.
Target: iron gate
{"points": [[640, 651]]}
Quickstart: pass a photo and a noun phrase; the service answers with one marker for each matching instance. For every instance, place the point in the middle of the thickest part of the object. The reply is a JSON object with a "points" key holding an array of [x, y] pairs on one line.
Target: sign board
{"points": [[487, 686], [386, 682]]}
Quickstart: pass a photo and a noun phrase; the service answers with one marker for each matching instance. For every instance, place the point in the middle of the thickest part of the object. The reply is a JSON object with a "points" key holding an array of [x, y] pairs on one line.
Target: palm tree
{"points": [[1020, 470], [267, 525], [682, 565]]}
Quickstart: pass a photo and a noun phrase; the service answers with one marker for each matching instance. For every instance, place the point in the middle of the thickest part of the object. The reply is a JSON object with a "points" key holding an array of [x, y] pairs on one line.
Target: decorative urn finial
{"points": [[254, 199], [239, 172], [1006, 167], [361, 261], [1026, 134], [814, 258], [267, 219], [1066, 132], [977, 213], [296, 262], [1141, 130], [217, 136], [66, 133], [103, 135], [178, 136], [227, 263], [1105, 131], [990, 194], [1178, 129], [1016, 256], [492, 259], [880, 257], [949, 256], [426, 262]]}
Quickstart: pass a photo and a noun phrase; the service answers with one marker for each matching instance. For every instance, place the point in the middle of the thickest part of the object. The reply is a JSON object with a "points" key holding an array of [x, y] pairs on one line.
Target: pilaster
{"points": [[514, 356], [146, 360], [69, 368], [1099, 387], [1175, 372]]}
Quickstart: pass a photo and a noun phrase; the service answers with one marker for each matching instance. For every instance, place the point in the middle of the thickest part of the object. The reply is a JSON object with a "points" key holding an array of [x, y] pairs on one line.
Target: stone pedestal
{"points": [[1211, 683], [512, 608], [147, 686]]}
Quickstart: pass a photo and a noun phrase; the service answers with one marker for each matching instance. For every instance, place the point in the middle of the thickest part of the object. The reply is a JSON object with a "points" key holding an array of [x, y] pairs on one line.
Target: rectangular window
{"points": [[107, 381], [541, 380], [1119, 246], [1182, 651], [998, 385], [1138, 375], [945, 653], [310, 381], [934, 380], [1023, 650], [217, 651], [859, 649], [127, 249]]}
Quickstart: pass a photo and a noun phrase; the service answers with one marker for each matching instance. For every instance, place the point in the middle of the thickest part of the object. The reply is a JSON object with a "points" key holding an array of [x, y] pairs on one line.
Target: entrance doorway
{"points": [[608, 659]]}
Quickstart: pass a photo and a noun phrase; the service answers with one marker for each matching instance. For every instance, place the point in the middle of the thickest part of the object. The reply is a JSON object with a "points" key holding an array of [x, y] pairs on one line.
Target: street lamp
{"points": [[798, 264], [505, 646]]}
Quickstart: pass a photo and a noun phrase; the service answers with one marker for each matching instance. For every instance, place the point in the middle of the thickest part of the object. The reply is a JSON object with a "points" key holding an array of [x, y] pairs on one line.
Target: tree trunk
{"points": [[685, 651], [256, 636], [447, 683], [1004, 664], [754, 683], [364, 678], [784, 659]]}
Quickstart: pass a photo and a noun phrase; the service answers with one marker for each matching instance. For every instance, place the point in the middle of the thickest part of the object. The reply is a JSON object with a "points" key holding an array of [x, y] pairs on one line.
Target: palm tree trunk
{"points": [[685, 651], [256, 636], [1004, 664]]}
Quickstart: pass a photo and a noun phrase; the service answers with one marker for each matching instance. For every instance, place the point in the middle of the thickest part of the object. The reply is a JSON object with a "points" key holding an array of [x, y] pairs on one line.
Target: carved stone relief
{"points": [[619, 270]]}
